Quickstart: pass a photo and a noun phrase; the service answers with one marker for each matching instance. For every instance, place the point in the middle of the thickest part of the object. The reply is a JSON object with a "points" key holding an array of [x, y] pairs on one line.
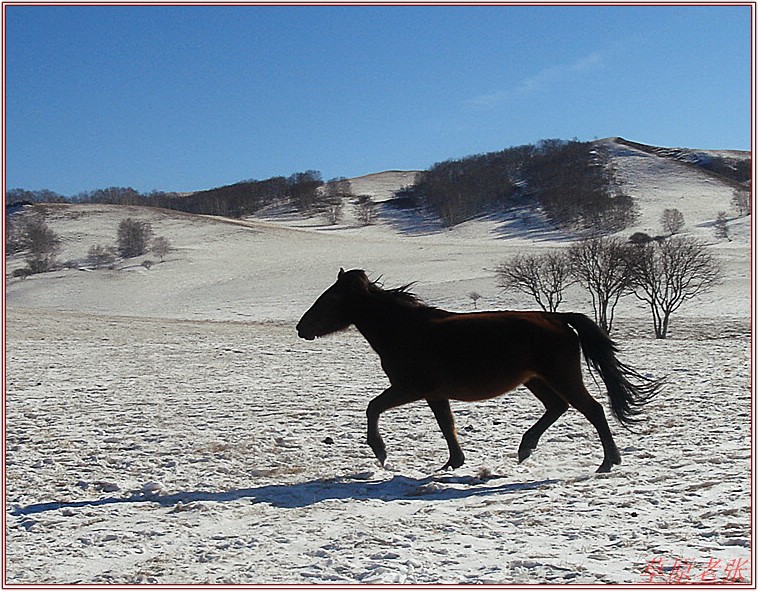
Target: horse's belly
{"points": [[480, 389]]}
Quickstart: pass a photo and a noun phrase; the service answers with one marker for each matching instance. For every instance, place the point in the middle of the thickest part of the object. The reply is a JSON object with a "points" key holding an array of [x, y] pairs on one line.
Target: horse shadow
{"points": [[308, 493]]}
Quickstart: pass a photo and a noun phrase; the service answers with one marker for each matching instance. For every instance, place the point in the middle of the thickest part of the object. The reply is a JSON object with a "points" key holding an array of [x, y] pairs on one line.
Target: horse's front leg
{"points": [[392, 397], [442, 410]]}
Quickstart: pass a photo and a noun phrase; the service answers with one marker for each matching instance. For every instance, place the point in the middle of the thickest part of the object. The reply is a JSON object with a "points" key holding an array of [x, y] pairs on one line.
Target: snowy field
{"points": [[167, 426], [153, 451]]}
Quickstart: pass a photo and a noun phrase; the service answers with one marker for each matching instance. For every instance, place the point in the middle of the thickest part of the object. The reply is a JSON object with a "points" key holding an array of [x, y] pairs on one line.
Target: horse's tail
{"points": [[628, 389]]}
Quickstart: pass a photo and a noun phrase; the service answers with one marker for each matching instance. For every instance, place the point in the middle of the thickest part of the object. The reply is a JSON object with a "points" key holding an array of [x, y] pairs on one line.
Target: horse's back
{"points": [[501, 327]]}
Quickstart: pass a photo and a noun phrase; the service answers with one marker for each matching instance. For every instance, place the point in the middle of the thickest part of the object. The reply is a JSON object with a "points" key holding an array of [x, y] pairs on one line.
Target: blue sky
{"points": [[179, 98]]}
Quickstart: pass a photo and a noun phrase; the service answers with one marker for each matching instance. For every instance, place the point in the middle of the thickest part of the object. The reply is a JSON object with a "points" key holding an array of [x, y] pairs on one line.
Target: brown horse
{"points": [[432, 354]]}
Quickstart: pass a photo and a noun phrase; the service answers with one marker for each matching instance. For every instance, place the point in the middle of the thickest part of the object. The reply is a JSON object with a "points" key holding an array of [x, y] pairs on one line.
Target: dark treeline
{"points": [[301, 191], [569, 180], [14, 196], [458, 189]]}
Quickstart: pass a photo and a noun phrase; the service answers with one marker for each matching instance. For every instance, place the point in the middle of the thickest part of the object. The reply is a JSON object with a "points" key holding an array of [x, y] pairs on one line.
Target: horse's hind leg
{"points": [[574, 391], [442, 410], [555, 407]]}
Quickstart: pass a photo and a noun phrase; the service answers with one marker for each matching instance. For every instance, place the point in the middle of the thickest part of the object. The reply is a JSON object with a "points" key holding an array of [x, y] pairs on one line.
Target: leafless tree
{"points": [[601, 267], [338, 187], [742, 201], [332, 210], [672, 220], [101, 256], [720, 226], [304, 191], [14, 241], [667, 274], [474, 297], [161, 246], [543, 277], [365, 209], [41, 243], [133, 237]]}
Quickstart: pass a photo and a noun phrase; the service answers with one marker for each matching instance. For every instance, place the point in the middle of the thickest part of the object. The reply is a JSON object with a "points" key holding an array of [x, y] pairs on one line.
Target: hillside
{"points": [[166, 426], [659, 181], [382, 186], [268, 267]]}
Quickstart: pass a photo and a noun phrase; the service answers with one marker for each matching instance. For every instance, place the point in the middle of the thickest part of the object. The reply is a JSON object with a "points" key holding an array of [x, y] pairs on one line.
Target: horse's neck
{"points": [[385, 323]]}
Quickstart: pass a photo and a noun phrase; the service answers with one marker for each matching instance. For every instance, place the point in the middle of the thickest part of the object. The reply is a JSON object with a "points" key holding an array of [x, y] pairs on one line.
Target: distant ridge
{"points": [[729, 165]]}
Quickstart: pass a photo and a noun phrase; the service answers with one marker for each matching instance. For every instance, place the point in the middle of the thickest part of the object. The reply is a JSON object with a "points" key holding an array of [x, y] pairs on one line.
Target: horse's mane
{"points": [[400, 295]]}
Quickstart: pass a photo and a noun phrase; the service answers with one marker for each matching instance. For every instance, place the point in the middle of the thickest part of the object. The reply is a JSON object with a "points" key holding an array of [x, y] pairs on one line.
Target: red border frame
{"points": [[753, 279]]}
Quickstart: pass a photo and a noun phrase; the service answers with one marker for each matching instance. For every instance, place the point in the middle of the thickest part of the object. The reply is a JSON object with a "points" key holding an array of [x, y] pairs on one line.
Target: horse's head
{"points": [[333, 310]]}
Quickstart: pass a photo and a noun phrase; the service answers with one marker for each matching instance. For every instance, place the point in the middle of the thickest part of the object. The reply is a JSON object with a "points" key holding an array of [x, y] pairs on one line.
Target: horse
{"points": [[436, 355]]}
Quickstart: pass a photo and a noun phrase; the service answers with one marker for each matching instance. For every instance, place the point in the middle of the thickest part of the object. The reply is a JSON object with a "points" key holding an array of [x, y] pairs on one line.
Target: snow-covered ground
{"points": [[167, 426]]}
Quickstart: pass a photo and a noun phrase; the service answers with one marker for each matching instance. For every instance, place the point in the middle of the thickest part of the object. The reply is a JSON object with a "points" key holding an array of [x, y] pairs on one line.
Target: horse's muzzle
{"points": [[303, 334]]}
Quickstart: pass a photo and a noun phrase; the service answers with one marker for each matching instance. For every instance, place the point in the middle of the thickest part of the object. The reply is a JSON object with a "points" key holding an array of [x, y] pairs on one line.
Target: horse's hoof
{"points": [[604, 468], [524, 454], [381, 457], [378, 448], [453, 463]]}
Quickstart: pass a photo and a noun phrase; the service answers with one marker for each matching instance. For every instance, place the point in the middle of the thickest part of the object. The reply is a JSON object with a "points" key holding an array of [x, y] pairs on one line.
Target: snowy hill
{"points": [[668, 180], [382, 186], [167, 426], [239, 269]]}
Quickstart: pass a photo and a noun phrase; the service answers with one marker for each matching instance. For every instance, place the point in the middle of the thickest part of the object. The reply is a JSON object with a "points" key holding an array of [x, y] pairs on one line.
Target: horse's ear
{"points": [[340, 273]]}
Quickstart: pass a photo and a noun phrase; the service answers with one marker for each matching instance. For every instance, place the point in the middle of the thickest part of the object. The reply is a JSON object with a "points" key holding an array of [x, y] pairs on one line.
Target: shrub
{"points": [[22, 273], [640, 238]]}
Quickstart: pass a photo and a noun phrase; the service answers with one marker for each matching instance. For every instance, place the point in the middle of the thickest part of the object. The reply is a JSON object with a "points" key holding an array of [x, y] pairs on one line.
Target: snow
{"points": [[167, 426]]}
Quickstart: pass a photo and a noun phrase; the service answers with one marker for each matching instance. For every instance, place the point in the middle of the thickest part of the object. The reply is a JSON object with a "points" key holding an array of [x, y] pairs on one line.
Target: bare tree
{"points": [[667, 274], [161, 246], [365, 209], [720, 226], [14, 240], [672, 220], [474, 297], [303, 189], [601, 267], [742, 201], [133, 237], [338, 187], [332, 210], [101, 256], [41, 243], [544, 277]]}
